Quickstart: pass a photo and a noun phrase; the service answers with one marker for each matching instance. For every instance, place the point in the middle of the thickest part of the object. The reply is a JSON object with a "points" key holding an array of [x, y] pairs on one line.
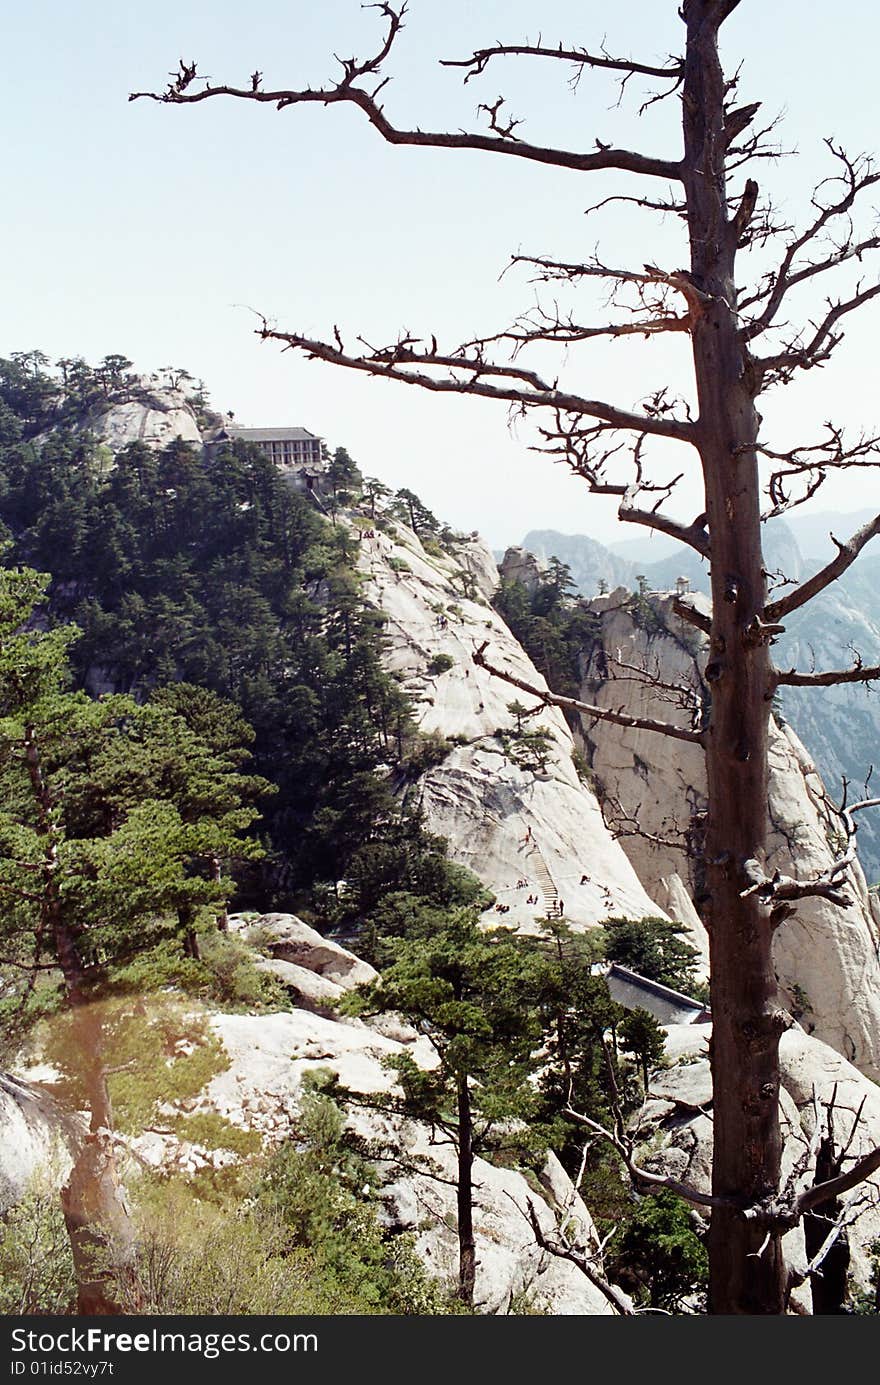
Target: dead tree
{"points": [[742, 345]]}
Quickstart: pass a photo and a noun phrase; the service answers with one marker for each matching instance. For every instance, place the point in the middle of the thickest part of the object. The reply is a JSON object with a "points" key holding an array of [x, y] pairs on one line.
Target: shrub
{"points": [[36, 1269], [441, 663], [425, 752]]}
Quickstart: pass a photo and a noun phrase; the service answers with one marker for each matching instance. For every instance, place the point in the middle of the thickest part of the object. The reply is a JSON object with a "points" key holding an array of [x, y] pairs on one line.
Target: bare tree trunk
{"points": [[189, 934], [217, 875], [467, 1255], [101, 1234], [95, 1213], [102, 1238], [746, 1019], [829, 1283]]}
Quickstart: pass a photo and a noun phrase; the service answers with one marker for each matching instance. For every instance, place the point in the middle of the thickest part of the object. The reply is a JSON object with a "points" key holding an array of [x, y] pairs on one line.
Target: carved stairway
{"points": [[545, 880]]}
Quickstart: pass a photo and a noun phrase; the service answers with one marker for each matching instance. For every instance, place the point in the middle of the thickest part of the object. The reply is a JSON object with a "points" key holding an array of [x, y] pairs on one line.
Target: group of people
{"points": [[556, 910]]}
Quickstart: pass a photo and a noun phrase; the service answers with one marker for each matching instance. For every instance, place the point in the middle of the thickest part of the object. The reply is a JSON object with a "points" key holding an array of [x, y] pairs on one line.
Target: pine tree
{"points": [[108, 808]]}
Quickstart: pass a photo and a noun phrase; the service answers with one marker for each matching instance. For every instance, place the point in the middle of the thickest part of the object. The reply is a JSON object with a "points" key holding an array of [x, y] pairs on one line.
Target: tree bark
{"points": [[467, 1255], [188, 933], [99, 1226], [829, 1283], [98, 1222], [747, 1276], [102, 1236]]}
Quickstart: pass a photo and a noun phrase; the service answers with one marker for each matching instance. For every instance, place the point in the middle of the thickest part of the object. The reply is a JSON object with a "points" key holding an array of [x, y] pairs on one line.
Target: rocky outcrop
{"points": [[38, 1140], [287, 939], [261, 1090], [676, 1126], [826, 956], [155, 415], [591, 563], [519, 565], [474, 556], [514, 811]]}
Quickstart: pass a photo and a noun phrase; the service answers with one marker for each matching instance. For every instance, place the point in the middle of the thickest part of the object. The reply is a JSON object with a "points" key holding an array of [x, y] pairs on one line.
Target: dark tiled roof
{"points": [[643, 983], [271, 434]]}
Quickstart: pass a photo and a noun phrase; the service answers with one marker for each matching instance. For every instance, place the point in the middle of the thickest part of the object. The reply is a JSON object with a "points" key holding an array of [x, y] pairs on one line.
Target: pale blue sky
{"points": [[153, 230]]}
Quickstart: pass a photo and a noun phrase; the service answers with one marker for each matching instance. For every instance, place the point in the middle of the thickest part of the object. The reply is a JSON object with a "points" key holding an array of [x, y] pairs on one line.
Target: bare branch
{"points": [[628, 822], [346, 91], [695, 535], [824, 1192], [849, 1213], [644, 1176], [563, 1249], [846, 556], [856, 176], [685, 696], [388, 362], [859, 673], [778, 888], [648, 203], [799, 356], [571, 704], [480, 59], [550, 269]]}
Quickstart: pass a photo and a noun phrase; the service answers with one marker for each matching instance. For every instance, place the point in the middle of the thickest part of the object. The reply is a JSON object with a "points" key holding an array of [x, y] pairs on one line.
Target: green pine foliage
{"points": [[554, 628], [658, 949], [659, 1256], [211, 570], [118, 819]]}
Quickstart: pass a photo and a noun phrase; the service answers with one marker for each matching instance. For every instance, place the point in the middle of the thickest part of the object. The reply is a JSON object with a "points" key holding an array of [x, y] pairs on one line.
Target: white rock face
{"points": [[156, 420], [307, 989], [826, 956], [261, 1090], [474, 556], [527, 834], [37, 1140], [678, 1116]]}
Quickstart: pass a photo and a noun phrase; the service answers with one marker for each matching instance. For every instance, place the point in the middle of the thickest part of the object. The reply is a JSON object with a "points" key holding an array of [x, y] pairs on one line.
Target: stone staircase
{"points": [[545, 880]]}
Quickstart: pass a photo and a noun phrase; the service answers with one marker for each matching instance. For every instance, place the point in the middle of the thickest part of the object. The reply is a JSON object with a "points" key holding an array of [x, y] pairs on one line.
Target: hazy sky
{"points": [[157, 231]]}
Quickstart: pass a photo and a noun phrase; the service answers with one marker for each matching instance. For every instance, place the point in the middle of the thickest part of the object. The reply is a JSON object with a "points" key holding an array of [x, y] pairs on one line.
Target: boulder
{"points": [[38, 1140], [308, 989], [288, 939]]}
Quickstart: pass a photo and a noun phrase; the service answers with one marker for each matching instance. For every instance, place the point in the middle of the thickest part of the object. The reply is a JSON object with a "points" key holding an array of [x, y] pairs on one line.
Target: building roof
{"points": [[271, 434], [633, 982]]}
